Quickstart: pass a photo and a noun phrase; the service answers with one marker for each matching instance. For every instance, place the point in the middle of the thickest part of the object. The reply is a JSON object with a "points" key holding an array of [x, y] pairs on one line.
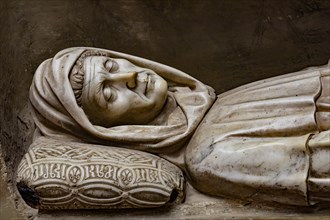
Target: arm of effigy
{"points": [[72, 175]]}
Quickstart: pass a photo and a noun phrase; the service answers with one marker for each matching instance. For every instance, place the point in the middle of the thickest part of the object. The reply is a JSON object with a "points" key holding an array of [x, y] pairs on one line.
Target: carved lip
{"points": [[148, 84]]}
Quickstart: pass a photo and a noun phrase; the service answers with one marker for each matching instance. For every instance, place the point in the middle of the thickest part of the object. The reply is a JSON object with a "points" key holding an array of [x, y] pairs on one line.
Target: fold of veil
{"points": [[57, 114]]}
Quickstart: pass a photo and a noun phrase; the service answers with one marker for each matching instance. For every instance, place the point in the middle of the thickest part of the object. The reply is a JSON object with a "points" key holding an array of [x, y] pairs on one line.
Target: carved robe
{"points": [[253, 143]]}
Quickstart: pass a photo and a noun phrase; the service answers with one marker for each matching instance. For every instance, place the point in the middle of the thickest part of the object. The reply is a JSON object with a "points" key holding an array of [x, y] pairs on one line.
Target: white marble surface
{"points": [[71, 175], [252, 144]]}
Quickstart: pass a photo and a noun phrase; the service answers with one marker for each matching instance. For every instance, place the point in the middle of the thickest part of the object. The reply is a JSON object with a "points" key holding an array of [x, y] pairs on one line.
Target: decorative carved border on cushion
{"points": [[60, 175]]}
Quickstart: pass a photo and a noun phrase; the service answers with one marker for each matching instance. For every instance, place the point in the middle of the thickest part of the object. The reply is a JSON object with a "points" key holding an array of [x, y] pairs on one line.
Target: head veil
{"points": [[57, 114]]}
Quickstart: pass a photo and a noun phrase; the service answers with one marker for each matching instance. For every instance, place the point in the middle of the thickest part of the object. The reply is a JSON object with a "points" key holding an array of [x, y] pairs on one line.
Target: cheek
{"points": [[126, 103], [119, 106]]}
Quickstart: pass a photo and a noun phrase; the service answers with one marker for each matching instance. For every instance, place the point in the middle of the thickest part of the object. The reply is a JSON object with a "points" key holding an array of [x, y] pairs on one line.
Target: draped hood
{"points": [[57, 114]]}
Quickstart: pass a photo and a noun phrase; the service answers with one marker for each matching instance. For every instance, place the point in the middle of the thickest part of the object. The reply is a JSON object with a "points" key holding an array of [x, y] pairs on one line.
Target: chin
{"points": [[160, 84]]}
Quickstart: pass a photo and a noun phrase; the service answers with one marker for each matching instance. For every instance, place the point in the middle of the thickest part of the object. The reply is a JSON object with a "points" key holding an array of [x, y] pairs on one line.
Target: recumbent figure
{"points": [[267, 140]]}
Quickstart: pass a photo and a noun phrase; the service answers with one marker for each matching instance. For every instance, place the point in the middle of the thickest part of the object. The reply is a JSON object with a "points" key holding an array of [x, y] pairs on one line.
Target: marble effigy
{"points": [[106, 119]]}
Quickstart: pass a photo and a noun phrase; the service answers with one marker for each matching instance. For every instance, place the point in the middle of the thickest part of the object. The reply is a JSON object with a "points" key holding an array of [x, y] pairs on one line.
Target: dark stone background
{"points": [[223, 43]]}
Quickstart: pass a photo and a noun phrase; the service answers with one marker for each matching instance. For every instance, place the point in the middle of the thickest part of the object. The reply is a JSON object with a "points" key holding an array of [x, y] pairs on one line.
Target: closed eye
{"points": [[107, 93], [111, 65]]}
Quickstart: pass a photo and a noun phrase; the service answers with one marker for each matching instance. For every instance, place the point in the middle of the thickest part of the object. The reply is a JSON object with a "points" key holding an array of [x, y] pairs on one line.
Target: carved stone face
{"points": [[117, 92]]}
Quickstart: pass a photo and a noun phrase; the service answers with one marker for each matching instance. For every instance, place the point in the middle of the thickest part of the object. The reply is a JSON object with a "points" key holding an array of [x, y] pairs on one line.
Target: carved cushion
{"points": [[70, 175]]}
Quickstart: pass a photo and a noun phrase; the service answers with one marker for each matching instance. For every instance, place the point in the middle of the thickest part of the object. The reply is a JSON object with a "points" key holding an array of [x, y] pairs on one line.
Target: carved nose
{"points": [[131, 84], [128, 78]]}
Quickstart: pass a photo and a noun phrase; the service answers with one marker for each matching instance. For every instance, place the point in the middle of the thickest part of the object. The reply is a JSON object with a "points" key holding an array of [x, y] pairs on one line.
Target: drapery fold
{"points": [[253, 140]]}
